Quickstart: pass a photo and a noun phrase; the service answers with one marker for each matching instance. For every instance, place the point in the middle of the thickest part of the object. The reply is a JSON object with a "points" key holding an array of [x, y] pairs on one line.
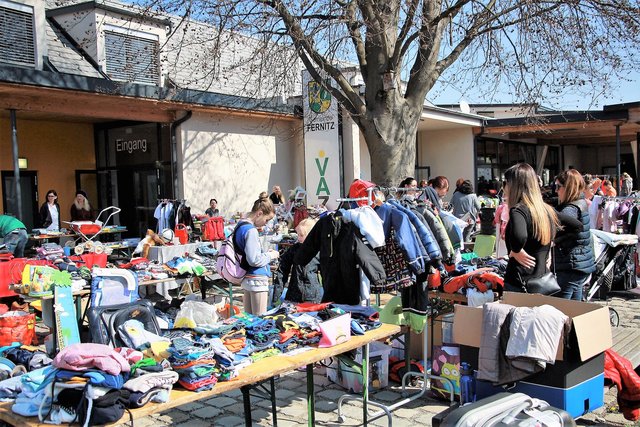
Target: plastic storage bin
{"points": [[351, 379]]}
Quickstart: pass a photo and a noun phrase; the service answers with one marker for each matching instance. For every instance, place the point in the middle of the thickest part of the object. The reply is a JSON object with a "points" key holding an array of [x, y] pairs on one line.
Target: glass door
{"points": [[29, 194]]}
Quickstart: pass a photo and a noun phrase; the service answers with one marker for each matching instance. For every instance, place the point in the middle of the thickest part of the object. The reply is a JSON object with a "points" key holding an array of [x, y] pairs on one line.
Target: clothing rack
{"points": [[385, 410]]}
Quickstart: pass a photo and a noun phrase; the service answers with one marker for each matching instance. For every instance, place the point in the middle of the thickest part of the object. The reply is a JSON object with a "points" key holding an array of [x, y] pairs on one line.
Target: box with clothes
{"points": [[575, 380], [348, 373]]}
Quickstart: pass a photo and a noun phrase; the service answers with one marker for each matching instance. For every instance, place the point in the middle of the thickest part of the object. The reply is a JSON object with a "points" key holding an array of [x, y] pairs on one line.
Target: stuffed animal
{"points": [[151, 239]]}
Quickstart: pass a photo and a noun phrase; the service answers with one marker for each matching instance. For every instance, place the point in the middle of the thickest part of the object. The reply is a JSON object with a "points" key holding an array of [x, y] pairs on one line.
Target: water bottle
{"points": [[467, 384]]}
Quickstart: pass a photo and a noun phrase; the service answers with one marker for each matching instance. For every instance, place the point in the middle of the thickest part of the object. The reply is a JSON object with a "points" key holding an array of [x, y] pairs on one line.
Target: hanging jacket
{"points": [[439, 232], [574, 251], [302, 280], [405, 238], [342, 255], [424, 233]]}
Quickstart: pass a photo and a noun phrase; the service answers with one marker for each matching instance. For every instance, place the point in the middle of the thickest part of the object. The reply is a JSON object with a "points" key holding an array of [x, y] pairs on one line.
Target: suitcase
{"points": [[504, 409]]}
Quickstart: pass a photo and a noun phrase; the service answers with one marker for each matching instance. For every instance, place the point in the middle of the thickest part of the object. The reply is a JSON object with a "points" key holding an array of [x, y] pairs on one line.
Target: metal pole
{"points": [[16, 167], [618, 158]]}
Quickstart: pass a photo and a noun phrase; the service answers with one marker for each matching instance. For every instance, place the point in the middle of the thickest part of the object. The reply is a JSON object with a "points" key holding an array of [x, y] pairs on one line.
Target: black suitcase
{"points": [[504, 409]]}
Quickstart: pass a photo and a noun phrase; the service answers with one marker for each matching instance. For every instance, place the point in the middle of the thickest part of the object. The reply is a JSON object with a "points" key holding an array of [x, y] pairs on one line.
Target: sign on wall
{"points": [[321, 146], [133, 145]]}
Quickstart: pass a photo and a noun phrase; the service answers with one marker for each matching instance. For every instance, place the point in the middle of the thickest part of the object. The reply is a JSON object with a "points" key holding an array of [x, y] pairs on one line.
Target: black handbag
{"points": [[547, 284]]}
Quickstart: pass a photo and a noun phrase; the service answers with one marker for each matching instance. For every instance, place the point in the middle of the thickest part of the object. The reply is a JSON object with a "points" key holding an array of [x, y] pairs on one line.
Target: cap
{"points": [[81, 192]]}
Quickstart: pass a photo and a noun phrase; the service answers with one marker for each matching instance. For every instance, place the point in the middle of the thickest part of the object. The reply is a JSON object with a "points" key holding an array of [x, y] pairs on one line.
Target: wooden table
{"points": [[262, 370]]}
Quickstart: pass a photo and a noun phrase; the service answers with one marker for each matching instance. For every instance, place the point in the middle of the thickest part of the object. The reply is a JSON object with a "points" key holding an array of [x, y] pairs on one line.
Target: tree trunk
{"points": [[391, 138]]}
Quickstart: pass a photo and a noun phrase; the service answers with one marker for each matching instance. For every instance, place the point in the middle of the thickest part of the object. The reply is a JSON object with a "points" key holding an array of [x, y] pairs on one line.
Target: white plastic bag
{"points": [[195, 313]]}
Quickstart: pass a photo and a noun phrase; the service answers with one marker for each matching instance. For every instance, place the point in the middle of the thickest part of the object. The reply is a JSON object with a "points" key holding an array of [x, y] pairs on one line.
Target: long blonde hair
{"points": [[523, 188]]}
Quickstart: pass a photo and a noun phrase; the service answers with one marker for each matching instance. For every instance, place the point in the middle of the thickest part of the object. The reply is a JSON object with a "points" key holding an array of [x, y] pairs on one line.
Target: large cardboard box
{"points": [[590, 336]]}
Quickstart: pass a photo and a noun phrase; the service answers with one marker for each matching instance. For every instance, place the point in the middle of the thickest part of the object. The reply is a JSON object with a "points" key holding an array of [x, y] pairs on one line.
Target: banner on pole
{"points": [[321, 145]]}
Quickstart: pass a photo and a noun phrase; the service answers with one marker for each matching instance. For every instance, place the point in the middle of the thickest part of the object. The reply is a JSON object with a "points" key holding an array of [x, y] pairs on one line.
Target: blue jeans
{"points": [[571, 283], [16, 242]]}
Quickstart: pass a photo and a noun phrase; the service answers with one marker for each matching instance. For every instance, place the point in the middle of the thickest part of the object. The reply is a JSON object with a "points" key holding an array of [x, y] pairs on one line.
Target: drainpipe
{"points": [[174, 150], [16, 167], [618, 158]]}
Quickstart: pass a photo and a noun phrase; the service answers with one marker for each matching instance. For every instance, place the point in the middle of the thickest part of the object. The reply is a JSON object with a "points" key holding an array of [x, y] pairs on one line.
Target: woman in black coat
{"points": [[50, 212]]}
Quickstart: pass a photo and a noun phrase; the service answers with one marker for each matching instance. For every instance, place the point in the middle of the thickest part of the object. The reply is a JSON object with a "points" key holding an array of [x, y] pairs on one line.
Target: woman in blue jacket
{"points": [[573, 252], [256, 262]]}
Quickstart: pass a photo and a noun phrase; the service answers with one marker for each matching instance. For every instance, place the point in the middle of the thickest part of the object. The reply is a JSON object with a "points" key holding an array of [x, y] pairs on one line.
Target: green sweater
{"points": [[8, 224]]}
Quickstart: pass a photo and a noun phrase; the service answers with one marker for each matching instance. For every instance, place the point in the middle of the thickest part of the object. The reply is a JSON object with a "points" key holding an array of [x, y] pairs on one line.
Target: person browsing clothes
{"points": [[255, 284], [13, 234]]}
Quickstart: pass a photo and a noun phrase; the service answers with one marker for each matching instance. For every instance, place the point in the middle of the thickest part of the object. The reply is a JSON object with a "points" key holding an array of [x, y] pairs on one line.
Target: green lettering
{"points": [[322, 169], [322, 186]]}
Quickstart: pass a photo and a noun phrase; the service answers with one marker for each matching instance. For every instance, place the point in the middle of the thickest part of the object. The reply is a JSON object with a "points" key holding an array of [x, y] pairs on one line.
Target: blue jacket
{"points": [[257, 264], [413, 251], [424, 233], [575, 251]]}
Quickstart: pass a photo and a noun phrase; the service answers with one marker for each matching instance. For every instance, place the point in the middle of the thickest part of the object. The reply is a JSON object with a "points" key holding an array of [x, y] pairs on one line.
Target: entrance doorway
{"points": [[29, 194], [138, 193]]}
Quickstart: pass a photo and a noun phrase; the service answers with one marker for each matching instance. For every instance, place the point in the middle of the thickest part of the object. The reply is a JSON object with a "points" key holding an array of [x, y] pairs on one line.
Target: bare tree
{"points": [[402, 48]]}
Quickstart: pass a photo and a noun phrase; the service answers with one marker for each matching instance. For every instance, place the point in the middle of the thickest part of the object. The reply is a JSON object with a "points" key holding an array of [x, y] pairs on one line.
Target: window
{"points": [[132, 59], [17, 44]]}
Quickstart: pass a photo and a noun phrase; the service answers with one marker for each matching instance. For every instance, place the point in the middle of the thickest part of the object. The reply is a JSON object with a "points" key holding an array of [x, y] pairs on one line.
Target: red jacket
{"points": [[619, 370]]}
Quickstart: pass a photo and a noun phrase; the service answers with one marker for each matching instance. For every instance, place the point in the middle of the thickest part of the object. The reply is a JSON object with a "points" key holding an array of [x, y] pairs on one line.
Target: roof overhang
{"points": [[575, 128], [436, 118], [47, 95]]}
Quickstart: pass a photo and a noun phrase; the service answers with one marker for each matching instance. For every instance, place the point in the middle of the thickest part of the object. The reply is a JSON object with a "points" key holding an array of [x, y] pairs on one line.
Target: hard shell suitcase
{"points": [[504, 409]]}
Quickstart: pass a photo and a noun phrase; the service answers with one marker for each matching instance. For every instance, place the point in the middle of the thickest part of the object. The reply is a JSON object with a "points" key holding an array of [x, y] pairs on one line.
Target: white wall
{"points": [[233, 159], [449, 153]]}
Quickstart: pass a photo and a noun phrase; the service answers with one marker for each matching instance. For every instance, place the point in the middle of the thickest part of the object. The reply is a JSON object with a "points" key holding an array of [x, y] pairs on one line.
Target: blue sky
{"points": [[627, 91]]}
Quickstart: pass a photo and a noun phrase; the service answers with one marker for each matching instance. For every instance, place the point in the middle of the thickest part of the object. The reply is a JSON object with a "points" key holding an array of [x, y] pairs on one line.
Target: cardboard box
{"points": [[350, 379], [591, 332]]}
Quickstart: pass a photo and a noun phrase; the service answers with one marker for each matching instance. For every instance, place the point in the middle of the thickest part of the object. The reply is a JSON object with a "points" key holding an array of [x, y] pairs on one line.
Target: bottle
{"points": [[467, 384]]}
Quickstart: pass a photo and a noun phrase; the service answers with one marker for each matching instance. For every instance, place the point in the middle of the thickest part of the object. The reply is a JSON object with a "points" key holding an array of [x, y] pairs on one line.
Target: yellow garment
{"points": [[158, 350]]}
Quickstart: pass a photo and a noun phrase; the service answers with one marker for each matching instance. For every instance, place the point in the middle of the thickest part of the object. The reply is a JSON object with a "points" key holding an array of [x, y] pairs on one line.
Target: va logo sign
{"points": [[322, 191], [319, 98]]}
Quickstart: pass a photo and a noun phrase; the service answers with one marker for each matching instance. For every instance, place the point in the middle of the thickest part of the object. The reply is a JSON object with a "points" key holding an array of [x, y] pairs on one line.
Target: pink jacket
{"points": [[83, 356]]}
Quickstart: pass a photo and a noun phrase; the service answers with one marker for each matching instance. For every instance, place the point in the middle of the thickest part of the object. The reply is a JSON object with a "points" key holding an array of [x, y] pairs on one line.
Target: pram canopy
{"points": [[615, 263]]}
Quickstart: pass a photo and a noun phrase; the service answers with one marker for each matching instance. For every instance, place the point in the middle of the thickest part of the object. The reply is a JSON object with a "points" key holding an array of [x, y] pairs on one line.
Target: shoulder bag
{"points": [[547, 284]]}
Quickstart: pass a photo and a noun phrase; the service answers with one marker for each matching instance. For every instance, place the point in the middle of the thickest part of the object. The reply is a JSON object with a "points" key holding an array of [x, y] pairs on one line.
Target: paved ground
{"points": [[227, 410]]}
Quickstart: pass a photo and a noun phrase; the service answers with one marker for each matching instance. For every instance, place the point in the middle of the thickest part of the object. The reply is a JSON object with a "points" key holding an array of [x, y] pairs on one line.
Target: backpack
{"points": [[229, 261], [213, 229], [398, 368]]}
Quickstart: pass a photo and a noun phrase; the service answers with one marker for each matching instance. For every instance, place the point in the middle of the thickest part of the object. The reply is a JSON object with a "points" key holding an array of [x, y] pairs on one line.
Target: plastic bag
{"points": [[194, 313]]}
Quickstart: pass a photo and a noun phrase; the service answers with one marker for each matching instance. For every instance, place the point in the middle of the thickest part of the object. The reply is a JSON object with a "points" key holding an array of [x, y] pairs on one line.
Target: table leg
{"points": [[272, 382], [365, 383], [311, 399], [246, 399]]}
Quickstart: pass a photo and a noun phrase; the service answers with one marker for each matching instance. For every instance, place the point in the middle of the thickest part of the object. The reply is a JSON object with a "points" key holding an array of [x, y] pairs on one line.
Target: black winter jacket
{"points": [[342, 254], [574, 249], [302, 280]]}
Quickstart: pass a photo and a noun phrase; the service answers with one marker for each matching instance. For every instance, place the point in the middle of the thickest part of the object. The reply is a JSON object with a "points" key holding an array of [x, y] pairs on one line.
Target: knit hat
{"points": [[81, 192]]}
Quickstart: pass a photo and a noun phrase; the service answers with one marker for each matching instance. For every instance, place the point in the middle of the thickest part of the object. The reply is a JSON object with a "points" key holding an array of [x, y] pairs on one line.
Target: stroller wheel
{"points": [[614, 318], [79, 249]]}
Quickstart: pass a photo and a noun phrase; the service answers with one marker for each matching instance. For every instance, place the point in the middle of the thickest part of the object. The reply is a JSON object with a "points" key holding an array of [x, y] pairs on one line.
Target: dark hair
{"points": [[213, 200], [84, 193], [264, 205], [440, 182], [406, 182], [52, 192]]}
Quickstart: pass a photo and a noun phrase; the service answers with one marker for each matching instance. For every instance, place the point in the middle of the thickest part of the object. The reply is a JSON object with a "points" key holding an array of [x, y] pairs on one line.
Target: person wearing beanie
{"points": [[81, 209]]}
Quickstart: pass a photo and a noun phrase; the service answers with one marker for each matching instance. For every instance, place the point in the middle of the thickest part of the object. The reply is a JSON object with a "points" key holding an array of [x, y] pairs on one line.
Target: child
{"points": [[302, 282], [256, 262]]}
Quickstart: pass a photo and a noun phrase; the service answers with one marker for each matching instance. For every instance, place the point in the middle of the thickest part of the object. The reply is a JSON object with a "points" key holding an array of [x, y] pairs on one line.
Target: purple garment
{"points": [[83, 356]]}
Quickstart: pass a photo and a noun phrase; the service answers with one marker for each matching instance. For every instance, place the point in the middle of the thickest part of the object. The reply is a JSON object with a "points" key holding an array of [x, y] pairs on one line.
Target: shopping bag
{"points": [[335, 331]]}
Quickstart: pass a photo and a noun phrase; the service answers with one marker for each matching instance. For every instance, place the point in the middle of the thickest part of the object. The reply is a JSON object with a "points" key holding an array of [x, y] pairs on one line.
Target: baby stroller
{"points": [[90, 230], [615, 267]]}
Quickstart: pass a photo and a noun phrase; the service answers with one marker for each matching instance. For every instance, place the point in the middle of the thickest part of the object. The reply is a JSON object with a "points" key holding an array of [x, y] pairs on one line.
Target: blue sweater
{"points": [[248, 245]]}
